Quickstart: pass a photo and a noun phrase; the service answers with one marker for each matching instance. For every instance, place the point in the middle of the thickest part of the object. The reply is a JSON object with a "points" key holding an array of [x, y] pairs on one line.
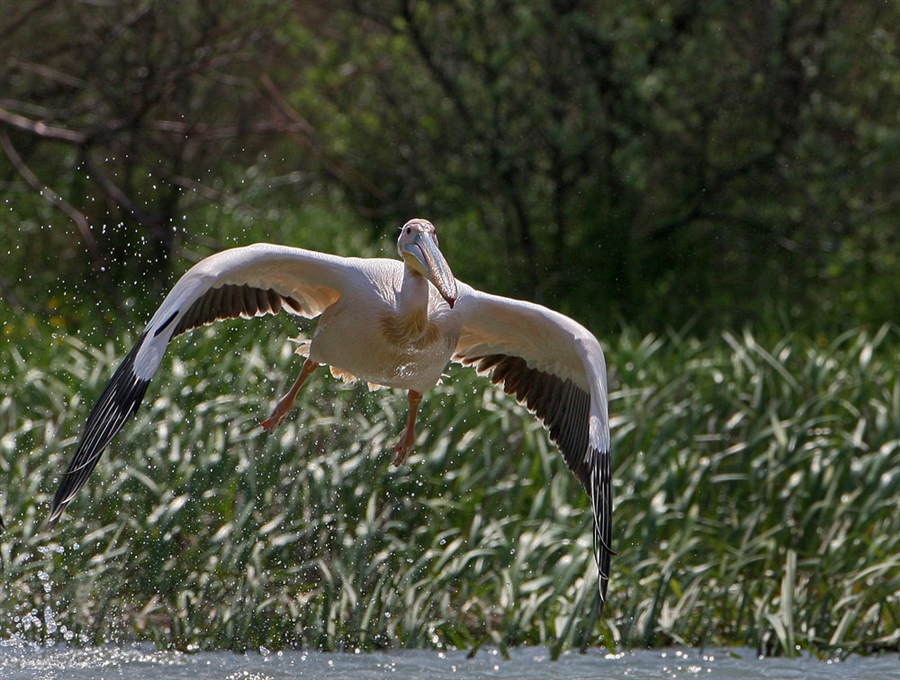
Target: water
{"points": [[20, 660]]}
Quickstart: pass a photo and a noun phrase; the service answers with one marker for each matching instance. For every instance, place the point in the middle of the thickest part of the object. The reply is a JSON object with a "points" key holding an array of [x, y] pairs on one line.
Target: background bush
{"points": [[665, 163]]}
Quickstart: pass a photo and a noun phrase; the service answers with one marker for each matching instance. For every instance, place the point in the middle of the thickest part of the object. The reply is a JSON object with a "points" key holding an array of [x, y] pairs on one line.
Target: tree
{"points": [[657, 160], [653, 162], [123, 114]]}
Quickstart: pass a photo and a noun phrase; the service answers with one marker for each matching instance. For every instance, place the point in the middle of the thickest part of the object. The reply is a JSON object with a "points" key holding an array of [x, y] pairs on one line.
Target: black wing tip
{"points": [[63, 497], [598, 484], [55, 513], [120, 399], [602, 588]]}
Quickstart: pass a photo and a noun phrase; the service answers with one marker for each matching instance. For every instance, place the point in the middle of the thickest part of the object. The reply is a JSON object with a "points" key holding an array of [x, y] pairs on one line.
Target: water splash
{"points": [[39, 626]]}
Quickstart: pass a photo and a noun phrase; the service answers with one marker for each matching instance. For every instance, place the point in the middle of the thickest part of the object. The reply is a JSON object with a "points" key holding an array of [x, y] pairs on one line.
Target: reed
{"points": [[757, 495]]}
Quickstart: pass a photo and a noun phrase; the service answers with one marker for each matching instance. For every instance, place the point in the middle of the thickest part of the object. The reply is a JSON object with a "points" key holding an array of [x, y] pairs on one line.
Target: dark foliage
{"points": [[666, 163]]}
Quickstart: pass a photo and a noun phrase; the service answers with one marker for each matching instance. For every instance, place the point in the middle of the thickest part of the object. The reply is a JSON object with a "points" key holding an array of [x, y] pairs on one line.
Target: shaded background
{"points": [[683, 164]]}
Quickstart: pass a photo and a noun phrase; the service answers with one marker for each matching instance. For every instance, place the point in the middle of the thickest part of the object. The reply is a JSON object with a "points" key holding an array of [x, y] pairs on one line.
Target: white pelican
{"points": [[383, 322]]}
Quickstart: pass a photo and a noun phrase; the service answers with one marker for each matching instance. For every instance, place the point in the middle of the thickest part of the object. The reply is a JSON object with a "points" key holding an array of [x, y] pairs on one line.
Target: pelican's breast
{"points": [[416, 346], [365, 335], [409, 332]]}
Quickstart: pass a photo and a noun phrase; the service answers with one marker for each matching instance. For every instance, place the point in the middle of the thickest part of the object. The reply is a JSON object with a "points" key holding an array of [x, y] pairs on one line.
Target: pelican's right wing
{"points": [[556, 368], [241, 282]]}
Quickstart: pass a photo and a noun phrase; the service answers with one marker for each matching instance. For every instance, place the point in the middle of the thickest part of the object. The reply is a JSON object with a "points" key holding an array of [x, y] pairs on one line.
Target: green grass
{"points": [[757, 495]]}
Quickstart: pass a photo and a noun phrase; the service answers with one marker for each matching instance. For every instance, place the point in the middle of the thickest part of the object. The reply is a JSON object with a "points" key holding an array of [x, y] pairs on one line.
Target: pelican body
{"points": [[396, 323]]}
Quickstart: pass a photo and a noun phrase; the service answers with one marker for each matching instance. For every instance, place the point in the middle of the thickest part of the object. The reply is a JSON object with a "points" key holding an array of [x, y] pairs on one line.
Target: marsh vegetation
{"points": [[756, 503]]}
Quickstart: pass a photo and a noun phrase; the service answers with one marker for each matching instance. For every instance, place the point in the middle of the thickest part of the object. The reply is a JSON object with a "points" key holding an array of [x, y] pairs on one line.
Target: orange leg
{"points": [[284, 405], [408, 435]]}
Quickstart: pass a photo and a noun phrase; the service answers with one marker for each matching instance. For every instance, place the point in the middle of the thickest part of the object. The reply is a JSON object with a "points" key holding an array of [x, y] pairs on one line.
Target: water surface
{"points": [[21, 660]]}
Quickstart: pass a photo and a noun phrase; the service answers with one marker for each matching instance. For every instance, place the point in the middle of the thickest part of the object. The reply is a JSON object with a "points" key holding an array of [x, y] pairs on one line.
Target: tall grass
{"points": [[757, 493], [761, 501]]}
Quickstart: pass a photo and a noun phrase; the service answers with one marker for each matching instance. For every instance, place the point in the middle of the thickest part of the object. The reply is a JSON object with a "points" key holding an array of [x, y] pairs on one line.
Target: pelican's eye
{"points": [[409, 230]]}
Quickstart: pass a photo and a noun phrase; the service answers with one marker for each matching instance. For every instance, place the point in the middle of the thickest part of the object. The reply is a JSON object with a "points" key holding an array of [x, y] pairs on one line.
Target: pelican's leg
{"points": [[284, 405], [408, 436]]}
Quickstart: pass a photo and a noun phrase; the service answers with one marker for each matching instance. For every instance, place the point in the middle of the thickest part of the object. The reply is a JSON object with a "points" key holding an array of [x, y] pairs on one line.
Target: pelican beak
{"points": [[423, 256]]}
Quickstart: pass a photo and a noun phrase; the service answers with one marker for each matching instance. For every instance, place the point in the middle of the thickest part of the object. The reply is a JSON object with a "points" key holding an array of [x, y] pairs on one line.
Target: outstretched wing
{"points": [[241, 282], [555, 367]]}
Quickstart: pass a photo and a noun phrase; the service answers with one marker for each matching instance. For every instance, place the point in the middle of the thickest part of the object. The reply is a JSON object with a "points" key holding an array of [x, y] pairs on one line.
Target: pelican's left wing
{"points": [[240, 282], [555, 367]]}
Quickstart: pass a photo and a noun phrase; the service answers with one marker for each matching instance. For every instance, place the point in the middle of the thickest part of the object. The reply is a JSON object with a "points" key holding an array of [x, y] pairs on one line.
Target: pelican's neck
{"points": [[413, 297], [409, 326]]}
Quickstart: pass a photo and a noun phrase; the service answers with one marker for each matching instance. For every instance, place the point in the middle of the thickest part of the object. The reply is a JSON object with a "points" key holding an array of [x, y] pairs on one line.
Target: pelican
{"points": [[390, 323]]}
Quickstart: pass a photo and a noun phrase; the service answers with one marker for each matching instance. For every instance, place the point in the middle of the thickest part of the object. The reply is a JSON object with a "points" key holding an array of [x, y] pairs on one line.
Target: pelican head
{"points": [[418, 246]]}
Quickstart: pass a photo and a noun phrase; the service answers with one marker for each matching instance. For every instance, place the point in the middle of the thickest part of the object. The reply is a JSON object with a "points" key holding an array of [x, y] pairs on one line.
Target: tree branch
{"points": [[40, 129], [52, 198], [116, 194], [420, 42]]}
